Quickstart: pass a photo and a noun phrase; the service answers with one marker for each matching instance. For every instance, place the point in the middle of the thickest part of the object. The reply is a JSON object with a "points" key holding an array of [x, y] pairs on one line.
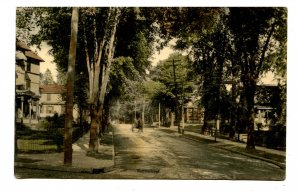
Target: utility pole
{"points": [[175, 84], [143, 112], [182, 110], [70, 89], [159, 115], [134, 110]]}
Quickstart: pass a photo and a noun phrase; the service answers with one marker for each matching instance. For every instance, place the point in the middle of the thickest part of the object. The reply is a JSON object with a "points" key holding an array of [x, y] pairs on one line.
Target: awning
{"points": [[27, 93], [33, 55], [20, 55]]}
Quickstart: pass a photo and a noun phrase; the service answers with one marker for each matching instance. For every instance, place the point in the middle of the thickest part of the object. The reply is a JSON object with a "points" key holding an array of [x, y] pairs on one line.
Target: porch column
{"points": [[30, 106], [36, 109], [187, 114], [22, 108]]}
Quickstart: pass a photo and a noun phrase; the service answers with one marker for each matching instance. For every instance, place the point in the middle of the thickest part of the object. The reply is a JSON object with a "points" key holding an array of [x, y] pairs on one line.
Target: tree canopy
{"points": [[224, 46]]}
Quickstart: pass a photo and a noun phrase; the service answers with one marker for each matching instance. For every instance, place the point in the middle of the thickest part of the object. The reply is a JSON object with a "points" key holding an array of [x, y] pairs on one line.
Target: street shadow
{"points": [[26, 160], [99, 155]]}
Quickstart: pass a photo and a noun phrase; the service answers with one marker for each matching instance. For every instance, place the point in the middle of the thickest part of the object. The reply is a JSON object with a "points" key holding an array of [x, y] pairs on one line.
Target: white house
{"points": [[52, 100]]}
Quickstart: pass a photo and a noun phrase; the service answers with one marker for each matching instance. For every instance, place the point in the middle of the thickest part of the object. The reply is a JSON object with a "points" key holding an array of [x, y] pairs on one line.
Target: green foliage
{"points": [[55, 126], [169, 87], [46, 78]]}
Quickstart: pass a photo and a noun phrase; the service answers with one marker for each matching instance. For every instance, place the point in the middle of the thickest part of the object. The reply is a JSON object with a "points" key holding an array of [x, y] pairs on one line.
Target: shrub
{"points": [[55, 128]]}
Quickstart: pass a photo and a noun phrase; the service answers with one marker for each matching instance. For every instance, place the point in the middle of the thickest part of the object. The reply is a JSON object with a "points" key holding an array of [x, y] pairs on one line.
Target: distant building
{"points": [[27, 84], [193, 113], [52, 100], [267, 105]]}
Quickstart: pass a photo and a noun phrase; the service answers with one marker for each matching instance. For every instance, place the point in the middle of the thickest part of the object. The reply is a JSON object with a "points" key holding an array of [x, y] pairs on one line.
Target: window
{"points": [[49, 109], [48, 97], [28, 68], [41, 109], [28, 82]]}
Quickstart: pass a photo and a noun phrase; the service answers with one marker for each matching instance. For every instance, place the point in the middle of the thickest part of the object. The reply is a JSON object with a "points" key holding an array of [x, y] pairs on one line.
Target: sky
{"points": [[48, 64]]}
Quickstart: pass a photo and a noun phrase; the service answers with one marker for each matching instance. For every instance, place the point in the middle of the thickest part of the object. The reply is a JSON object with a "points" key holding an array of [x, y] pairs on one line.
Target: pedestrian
{"points": [[140, 124]]}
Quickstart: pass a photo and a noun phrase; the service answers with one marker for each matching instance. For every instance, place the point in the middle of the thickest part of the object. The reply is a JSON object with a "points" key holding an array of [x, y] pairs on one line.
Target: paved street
{"points": [[157, 154], [162, 154]]}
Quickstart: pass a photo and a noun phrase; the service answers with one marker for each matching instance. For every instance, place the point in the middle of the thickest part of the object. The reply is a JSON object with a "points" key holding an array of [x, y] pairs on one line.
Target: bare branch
{"points": [[265, 49]]}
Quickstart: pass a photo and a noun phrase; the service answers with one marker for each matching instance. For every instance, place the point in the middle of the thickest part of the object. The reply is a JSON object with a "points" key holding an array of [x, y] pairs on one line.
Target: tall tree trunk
{"points": [[105, 116], [94, 131], [205, 121], [250, 114], [70, 89], [101, 81], [233, 111]]}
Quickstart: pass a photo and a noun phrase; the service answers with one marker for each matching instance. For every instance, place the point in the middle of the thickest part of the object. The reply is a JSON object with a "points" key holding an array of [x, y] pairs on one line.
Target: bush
{"points": [[55, 128]]}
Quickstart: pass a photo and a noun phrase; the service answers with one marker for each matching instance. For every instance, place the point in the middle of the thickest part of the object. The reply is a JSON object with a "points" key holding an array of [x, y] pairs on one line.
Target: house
{"points": [[52, 100], [27, 84], [267, 105]]}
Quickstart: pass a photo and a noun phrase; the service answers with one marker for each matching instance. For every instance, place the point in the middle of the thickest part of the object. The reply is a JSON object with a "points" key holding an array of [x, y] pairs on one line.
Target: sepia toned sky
{"points": [[43, 53]]}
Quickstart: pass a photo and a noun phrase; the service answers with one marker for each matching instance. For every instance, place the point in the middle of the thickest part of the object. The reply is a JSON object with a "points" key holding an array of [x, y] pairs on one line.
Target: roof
{"points": [[20, 55], [22, 45], [28, 51], [33, 55], [52, 88]]}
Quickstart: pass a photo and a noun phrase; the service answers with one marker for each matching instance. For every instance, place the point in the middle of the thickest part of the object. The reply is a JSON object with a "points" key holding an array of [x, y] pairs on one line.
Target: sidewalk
{"points": [[102, 161], [273, 156]]}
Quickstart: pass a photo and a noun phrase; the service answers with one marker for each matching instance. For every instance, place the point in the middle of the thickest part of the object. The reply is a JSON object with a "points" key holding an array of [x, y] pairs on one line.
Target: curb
{"points": [[280, 165], [194, 138], [65, 168]]}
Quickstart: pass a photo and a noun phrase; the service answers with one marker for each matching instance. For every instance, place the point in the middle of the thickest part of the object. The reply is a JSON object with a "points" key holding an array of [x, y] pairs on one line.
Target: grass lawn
{"points": [[36, 146]]}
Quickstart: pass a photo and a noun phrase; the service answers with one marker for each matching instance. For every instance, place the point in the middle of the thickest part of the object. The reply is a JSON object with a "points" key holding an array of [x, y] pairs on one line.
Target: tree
{"points": [[226, 37], [97, 33], [174, 76], [207, 39], [99, 53], [25, 24], [252, 45], [46, 78]]}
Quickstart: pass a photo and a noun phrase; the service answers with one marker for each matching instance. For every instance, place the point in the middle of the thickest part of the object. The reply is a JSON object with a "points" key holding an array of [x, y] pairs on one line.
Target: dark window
{"points": [[49, 109], [28, 69]]}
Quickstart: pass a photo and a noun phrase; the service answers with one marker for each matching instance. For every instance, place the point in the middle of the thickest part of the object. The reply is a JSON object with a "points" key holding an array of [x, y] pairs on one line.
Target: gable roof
{"points": [[22, 45], [28, 51], [52, 88], [33, 55]]}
